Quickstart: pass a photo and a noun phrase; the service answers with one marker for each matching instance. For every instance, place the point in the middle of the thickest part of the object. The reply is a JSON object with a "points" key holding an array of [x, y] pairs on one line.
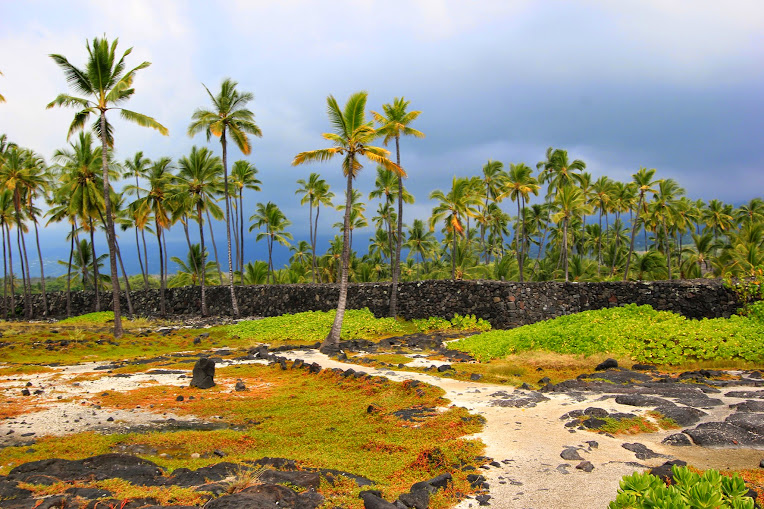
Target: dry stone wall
{"points": [[504, 304]]}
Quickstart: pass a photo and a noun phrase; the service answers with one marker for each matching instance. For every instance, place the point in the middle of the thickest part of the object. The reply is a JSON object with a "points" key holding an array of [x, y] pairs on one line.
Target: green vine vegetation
{"points": [[638, 332], [312, 326]]}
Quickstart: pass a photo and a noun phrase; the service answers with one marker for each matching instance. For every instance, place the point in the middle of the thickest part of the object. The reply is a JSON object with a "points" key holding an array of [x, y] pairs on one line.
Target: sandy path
{"points": [[527, 442]]}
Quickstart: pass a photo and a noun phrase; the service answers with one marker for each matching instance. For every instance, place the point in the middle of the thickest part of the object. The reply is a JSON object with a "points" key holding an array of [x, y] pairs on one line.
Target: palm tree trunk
{"points": [[184, 222], [10, 269], [130, 310], [270, 257], [314, 241], [234, 304], [635, 223], [399, 240], [668, 248], [203, 268], [214, 246], [140, 259], [42, 271], [162, 309], [110, 234], [95, 268], [453, 253], [241, 232], [26, 280], [235, 228], [333, 339], [313, 247], [145, 258], [599, 245], [69, 276], [522, 242], [5, 276], [565, 246]]}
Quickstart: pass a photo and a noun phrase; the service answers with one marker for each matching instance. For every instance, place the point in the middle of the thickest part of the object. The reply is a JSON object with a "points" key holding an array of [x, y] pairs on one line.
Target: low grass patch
{"points": [[636, 332], [24, 369]]}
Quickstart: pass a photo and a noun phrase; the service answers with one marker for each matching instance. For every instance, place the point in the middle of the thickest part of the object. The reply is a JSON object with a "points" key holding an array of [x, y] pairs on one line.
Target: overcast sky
{"points": [[672, 85]]}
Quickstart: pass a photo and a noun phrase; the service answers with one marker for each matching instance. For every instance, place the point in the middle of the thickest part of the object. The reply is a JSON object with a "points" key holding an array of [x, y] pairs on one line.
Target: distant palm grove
{"points": [[484, 225]]}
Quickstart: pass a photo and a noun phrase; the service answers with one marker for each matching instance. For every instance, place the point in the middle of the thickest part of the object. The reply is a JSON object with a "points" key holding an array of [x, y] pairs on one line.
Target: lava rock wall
{"points": [[503, 304]]}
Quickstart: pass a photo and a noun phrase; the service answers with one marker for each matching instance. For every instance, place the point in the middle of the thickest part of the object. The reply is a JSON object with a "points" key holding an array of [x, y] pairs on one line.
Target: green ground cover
{"points": [[636, 332], [313, 326]]}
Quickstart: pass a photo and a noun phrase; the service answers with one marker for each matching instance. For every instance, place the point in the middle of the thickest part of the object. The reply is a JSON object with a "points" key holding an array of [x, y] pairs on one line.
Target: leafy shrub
{"points": [[469, 322], [101, 317], [690, 490], [639, 332]]}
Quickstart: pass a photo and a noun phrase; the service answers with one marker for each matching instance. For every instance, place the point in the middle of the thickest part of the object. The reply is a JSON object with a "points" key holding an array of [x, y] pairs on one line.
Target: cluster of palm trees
{"points": [[578, 229]]}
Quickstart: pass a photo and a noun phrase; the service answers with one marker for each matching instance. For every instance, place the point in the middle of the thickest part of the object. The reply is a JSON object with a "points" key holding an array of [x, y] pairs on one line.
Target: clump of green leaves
{"points": [[689, 491], [637, 332], [747, 289], [102, 317], [313, 326]]}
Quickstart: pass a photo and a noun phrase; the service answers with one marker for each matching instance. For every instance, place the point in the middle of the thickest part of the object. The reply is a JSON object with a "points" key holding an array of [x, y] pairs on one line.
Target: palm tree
{"points": [[82, 262], [351, 138], [37, 183], [494, 180], [274, 221], [315, 192], [6, 218], [137, 167], [519, 185], [301, 253], [156, 204], [105, 80], [190, 273], [197, 184], [420, 241], [255, 273], [643, 179], [387, 186], [602, 191], [454, 208], [243, 176], [395, 123], [717, 218], [572, 204], [558, 171], [229, 115], [751, 212]]}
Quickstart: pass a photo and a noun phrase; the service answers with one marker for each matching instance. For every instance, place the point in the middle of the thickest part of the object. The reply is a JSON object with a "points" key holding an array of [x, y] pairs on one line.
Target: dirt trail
{"points": [[527, 443]]}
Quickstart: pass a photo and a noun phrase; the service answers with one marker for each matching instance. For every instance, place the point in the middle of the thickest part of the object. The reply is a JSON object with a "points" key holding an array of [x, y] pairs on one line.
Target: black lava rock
{"points": [[203, 374]]}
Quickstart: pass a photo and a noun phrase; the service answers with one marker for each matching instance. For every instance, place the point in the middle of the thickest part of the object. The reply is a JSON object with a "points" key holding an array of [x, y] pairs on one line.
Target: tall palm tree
{"points": [[351, 138], [37, 184], [270, 217], [520, 183], [104, 80], [386, 187], [602, 191], [6, 218], [558, 170], [137, 167], [228, 116], [156, 205], [643, 179], [664, 202], [717, 218], [494, 180], [314, 191], [571, 204], [396, 123], [196, 186], [454, 208], [420, 241], [243, 176]]}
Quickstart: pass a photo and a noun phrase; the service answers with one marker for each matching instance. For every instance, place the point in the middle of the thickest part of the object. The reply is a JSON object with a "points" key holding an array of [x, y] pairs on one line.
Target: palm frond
{"points": [[76, 78], [320, 155], [143, 120], [68, 100]]}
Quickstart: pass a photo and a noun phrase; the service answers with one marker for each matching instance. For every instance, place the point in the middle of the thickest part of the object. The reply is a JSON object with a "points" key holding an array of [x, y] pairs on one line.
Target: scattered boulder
{"points": [[586, 466], [571, 454], [641, 451], [664, 471], [240, 386], [606, 364], [203, 374], [678, 440]]}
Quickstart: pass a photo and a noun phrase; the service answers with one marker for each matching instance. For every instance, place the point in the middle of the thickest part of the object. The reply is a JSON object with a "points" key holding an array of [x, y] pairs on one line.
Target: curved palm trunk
{"points": [[314, 241], [130, 310], [398, 241], [140, 259], [453, 253], [235, 228], [241, 232], [110, 235], [631, 244], [42, 271], [522, 241], [312, 244], [162, 309], [332, 340], [5, 276], [145, 258], [69, 276], [203, 268], [270, 257], [565, 247], [96, 279], [10, 269], [214, 246], [234, 304], [25, 279]]}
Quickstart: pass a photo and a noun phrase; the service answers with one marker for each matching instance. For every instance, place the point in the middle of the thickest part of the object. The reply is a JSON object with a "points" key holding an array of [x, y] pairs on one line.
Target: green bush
{"points": [[689, 491], [313, 326], [639, 332], [101, 317]]}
